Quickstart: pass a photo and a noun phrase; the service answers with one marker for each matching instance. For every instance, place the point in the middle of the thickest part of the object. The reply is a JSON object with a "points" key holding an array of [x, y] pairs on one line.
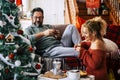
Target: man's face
{"points": [[37, 18]]}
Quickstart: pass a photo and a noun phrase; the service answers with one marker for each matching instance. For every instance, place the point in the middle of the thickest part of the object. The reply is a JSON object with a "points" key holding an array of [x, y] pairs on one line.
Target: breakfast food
{"points": [[50, 74], [83, 73]]}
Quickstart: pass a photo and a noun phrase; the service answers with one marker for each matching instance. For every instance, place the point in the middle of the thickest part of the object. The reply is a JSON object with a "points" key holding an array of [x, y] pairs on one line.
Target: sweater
{"points": [[95, 61]]}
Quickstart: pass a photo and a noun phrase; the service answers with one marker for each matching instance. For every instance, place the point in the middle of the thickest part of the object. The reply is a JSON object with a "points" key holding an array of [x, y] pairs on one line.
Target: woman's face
{"points": [[86, 34]]}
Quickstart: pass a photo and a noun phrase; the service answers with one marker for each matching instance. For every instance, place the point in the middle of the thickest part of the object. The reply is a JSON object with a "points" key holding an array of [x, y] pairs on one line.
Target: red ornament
{"points": [[7, 70], [20, 32], [12, 1], [11, 56], [38, 66], [30, 49], [2, 36], [11, 17]]}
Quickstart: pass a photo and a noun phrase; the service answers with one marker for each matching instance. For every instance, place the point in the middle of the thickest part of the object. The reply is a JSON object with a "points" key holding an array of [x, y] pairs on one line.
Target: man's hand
{"points": [[57, 34], [49, 32], [52, 32]]}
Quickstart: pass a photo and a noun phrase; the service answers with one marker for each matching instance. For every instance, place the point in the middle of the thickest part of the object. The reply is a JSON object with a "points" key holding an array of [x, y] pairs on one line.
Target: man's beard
{"points": [[38, 24]]}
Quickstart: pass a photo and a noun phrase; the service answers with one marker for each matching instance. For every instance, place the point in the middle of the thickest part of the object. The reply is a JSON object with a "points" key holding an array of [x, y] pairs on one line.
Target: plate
{"points": [[49, 74]]}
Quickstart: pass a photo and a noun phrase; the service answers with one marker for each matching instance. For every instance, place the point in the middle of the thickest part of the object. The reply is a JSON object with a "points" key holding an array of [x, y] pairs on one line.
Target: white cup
{"points": [[73, 74], [92, 77]]}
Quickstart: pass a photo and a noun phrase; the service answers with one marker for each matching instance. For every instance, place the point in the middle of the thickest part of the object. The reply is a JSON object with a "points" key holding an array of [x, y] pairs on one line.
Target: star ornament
{"points": [[11, 18], [2, 23]]}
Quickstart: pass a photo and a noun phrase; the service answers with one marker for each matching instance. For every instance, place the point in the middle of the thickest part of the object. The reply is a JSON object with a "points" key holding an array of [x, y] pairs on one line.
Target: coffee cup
{"points": [[73, 74]]}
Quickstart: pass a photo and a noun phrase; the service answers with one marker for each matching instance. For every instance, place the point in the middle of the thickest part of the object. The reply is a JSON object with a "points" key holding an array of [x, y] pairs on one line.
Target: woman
{"points": [[92, 50], [112, 48]]}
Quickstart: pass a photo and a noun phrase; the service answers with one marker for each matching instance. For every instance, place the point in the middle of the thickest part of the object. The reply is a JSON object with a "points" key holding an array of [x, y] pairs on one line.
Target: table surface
{"points": [[89, 77], [50, 73]]}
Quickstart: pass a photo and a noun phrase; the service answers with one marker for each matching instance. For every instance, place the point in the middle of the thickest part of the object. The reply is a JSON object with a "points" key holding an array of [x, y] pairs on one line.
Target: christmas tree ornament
{"points": [[12, 1], [9, 38], [34, 48], [2, 39], [30, 49], [11, 56], [11, 17], [7, 70], [20, 32], [7, 58], [17, 63], [13, 67], [15, 51], [2, 36], [10, 21], [38, 66], [17, 46]]}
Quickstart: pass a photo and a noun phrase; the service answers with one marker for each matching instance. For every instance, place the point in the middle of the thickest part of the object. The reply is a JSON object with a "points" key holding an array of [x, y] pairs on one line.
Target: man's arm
{"points": [[34, 36], [48, 32]]}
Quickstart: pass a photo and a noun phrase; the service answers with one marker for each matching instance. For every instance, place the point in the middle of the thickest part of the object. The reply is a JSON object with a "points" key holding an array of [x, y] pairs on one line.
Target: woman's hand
{"points": [[77, 47]]}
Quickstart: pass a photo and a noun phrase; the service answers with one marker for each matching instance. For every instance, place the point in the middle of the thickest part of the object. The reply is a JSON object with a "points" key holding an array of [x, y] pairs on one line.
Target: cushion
{"points": [[61, 28], [113, 33]]}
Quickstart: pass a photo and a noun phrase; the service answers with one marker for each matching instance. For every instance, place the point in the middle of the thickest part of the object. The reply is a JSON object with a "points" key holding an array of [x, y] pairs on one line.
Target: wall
{"points": [[53, 10]]}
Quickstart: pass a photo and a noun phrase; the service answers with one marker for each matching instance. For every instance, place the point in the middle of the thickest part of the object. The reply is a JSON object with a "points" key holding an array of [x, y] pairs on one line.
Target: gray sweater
{"points": [[45, 42]]}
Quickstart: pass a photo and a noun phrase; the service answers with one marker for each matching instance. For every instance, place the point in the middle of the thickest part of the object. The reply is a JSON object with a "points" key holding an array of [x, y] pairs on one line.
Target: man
{"points": [[44, 37]]}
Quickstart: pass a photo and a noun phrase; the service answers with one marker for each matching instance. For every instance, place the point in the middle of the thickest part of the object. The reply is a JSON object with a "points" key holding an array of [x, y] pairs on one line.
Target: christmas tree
{"points": [[17, 58]]}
